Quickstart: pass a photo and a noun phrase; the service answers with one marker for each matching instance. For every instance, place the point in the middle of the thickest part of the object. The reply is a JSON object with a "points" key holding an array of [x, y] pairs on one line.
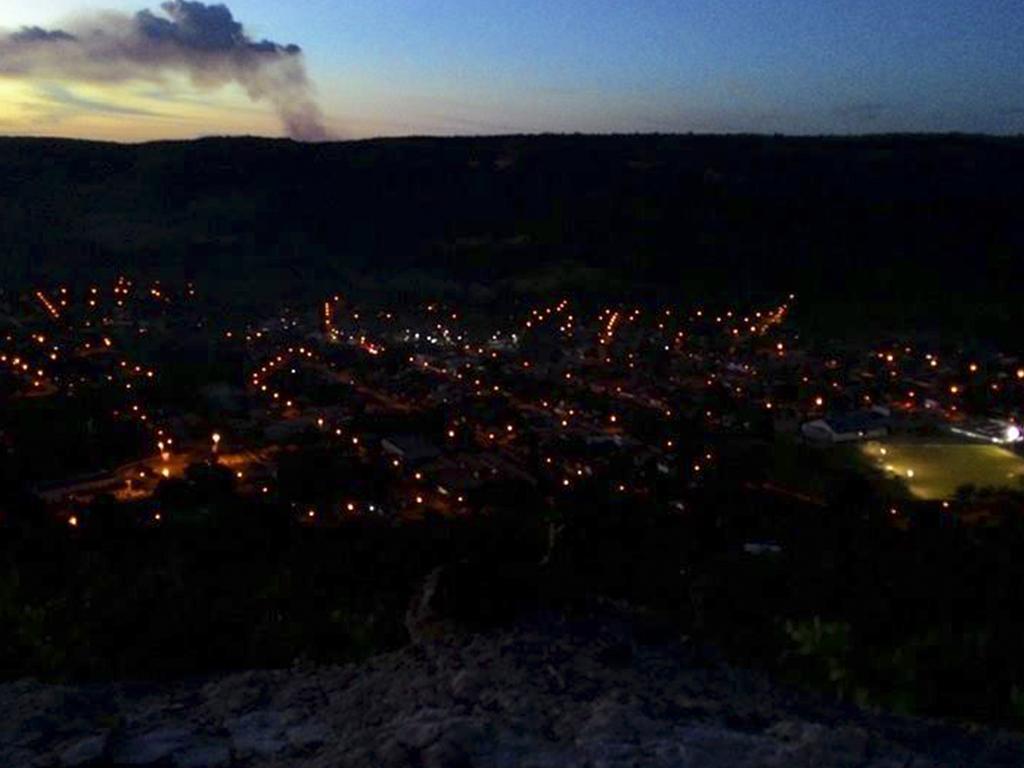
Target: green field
{"points": [[934, 470]]}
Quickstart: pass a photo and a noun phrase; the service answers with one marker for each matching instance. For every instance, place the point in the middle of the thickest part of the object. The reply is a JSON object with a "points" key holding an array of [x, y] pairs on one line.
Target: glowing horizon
{"points": [[383, 68]]}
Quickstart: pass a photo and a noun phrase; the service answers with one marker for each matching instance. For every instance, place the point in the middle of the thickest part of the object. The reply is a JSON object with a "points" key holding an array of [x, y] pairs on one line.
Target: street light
{"points": [[216, 441]]}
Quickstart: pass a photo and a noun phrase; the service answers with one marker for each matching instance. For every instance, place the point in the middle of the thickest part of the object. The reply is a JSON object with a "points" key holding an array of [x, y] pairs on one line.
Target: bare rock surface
{"points": [[548, 692]]}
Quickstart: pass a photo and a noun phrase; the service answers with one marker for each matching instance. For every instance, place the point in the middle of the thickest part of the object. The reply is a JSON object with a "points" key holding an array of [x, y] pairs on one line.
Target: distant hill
{"points": [[915, 231]]}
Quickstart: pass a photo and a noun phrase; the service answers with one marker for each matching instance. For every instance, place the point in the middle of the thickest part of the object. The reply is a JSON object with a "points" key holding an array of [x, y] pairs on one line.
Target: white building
{"points": [[844, 428], [988, 430]]}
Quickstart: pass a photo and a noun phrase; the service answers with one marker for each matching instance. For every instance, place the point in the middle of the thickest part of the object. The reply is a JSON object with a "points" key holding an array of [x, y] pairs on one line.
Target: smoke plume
{"points": [[202, 41]]}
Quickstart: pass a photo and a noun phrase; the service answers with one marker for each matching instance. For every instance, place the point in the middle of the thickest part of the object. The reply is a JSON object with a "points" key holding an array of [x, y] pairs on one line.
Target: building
{"points": [[410, 448], [847, 427], [996, 431]]}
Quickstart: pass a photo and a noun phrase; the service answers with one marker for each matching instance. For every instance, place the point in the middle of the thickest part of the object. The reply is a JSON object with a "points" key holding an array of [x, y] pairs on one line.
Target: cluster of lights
{"points": [[48, 305], [733, 324]]}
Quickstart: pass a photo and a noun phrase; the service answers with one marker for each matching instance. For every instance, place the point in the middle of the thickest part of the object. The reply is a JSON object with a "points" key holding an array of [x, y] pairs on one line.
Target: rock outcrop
{"points": [[549, 692]]}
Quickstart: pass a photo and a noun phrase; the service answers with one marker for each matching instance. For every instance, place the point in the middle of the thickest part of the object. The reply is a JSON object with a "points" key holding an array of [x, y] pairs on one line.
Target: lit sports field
{"points": [[935, 470]]}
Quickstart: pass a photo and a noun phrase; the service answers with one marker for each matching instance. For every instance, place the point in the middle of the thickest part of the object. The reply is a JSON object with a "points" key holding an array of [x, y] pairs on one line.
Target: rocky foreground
{"points": [[547, 693]]}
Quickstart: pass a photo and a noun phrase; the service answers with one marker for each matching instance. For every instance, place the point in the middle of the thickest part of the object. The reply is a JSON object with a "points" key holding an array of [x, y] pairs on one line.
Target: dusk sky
{"points": [[384, 67]]}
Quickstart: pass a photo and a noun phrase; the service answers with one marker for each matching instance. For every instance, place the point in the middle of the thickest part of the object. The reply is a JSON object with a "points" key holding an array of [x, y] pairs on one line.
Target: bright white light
{"points": [[1012, 433]]}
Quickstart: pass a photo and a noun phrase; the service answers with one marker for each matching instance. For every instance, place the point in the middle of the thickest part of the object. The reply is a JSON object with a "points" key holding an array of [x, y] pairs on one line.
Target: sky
{"points": [[441, 67]]}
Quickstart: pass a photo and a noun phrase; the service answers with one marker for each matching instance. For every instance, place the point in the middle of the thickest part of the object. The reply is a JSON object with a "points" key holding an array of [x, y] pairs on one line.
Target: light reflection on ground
{"points": [[934, 470]]}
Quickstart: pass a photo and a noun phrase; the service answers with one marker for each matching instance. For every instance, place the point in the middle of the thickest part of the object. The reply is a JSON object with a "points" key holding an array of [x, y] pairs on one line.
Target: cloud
{"points": [[205, 42], [39, 35], [60, 97]]}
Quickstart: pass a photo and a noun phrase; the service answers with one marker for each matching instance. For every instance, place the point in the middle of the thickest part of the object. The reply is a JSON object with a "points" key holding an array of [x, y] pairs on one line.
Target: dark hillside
{"points": [[886, 222]]}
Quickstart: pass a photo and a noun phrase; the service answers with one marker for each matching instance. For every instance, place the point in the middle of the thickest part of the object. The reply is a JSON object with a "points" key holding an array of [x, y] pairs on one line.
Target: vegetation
{"points": [[918, 611], [922, 617], [217, 584], [894, 223]]}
